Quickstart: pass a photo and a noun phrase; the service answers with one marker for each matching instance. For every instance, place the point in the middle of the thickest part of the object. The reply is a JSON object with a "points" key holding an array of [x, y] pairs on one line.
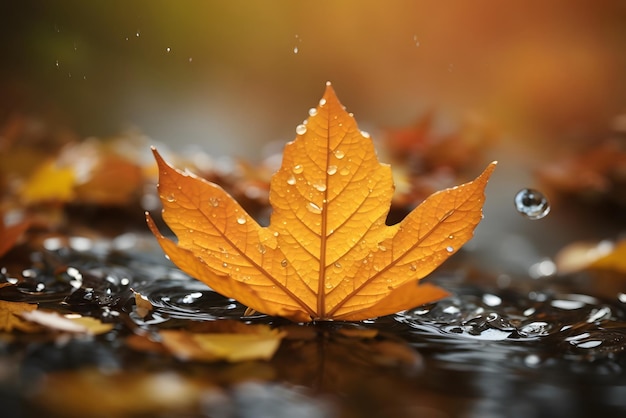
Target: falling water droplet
{"points": [[332, 169], [241, 220], [291, 180], [301, 129], [532, 204], [312, 111], [297, 169]]}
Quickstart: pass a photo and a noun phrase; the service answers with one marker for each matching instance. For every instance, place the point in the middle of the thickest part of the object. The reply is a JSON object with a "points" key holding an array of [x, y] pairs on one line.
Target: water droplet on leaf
{"points": [[313, 208], [320, 186], [291, 180], [283, 263], [312, 111], [170, 198], [532, 204], [332, 169], [449, 249], [297, 169], [339, 154], [241, 220], [301, 129]]}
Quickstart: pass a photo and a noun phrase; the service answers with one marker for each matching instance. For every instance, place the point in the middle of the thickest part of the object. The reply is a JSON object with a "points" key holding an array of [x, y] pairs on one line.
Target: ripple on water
{"points": [[563, 326]]}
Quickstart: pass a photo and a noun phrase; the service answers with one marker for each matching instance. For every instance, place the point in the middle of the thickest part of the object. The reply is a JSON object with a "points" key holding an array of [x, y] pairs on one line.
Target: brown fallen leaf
{"points": [[229, 347], [67, 323], [9, 235], [327, 253], [143, 307], [11, 316]]}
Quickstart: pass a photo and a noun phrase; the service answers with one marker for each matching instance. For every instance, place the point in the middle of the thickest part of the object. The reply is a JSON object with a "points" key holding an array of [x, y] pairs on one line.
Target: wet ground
{"points": [[500, 346]]}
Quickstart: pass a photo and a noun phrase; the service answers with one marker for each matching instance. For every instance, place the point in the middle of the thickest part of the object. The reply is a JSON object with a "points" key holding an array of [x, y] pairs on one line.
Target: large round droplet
{"points": [[532, 204], [301, 129]]}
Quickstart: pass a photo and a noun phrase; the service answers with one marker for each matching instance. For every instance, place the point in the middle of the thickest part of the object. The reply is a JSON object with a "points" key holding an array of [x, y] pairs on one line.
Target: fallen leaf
{"points": [[604, 255], [127, 393], [50, 182], [143, 306], [10, 234], [10, 316], [255, 342], [327, 253], [70, 323]]}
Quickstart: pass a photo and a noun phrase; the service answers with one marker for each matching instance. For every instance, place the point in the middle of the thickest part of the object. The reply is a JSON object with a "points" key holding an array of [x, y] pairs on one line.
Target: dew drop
{"points": [[241, 220], [450, 249], [322, 102], [283, 263], [532, 204], [301, 129], [365, 134], [224, 265], [312, 111], [339, 154], [275, 234], [450, 236], [297, 169], [413, 267], [313, 208], [328, 286], [337, 264], [344, 171], [332, 169], [168, 49], [261, 248], [291, 180], [320, 186], [382, 247], [170, 198], [295, 49], [214, 201]]}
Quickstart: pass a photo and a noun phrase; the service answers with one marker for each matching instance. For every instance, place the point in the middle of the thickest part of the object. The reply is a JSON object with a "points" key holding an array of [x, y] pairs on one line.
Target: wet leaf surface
{"points": [[327, 253]]}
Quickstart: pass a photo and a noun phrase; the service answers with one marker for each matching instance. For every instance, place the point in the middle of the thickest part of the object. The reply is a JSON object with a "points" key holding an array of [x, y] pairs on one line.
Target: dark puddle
{"points": [[532, 348]]}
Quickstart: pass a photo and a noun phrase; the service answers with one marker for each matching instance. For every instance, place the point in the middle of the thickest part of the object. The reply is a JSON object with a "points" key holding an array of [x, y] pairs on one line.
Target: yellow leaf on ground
{"points": [[327, 253], [50, 182], [258, 342]]}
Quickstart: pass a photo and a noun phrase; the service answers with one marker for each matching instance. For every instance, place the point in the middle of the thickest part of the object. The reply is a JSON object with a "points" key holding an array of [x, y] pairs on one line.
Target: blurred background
{"points": [[233, 76]]}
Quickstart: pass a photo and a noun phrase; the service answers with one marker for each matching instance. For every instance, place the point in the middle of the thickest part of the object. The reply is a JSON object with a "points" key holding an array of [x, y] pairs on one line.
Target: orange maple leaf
{"points": [[327, 253]]}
